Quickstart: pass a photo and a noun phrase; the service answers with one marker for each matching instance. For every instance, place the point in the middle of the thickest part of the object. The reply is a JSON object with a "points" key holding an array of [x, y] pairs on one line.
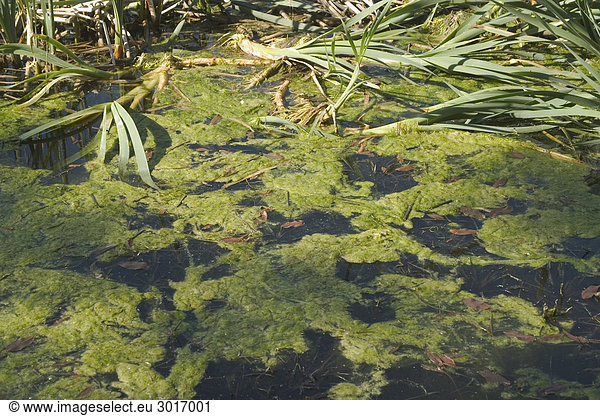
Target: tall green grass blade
{"points": [[35, 52], [48, 18], [177, 30], [278, 20], [68, 52], [8, 20], [104, 127], [124, 122], [123, 140], [68, 120]]}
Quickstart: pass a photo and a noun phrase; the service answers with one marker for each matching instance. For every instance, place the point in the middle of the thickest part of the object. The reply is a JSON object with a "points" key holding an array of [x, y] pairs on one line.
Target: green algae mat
{"points": [[416, 265]]}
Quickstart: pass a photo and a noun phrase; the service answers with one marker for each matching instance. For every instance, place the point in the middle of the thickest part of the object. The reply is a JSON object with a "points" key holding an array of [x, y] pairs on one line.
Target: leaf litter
{"points": [[492, 377], [19, 344], [462, 231], [476, 304], [589, 292]]}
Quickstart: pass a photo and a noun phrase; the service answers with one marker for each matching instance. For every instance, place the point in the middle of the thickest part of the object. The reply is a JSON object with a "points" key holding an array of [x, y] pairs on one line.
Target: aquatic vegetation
{"points": [[261, 288], [346, 266]]}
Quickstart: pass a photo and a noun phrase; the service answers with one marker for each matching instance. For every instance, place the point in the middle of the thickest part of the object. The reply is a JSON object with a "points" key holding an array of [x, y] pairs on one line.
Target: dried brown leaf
{"points": [[273, 155], [293, 224], [575, 338], [405, 168], [516, 155], [500, 211], [589, 291], [264, 213], [436, 217], [500, 182], [236, 239], [61, 320], [86, 392], [556, 389], [552, 337], [441, 360], [463, 231], [134, 265], [472, 212], [216, 119], [493, 377], [20, 344], [475, 304], [520, 336]]}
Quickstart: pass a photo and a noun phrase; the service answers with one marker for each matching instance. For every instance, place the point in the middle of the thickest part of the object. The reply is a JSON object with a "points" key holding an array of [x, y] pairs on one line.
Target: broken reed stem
{"points": [[189, 63], [269, 71], [252, 176], [279, 94]]}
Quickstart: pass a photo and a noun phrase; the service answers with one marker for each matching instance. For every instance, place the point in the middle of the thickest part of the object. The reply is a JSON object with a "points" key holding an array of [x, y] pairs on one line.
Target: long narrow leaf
{"points": [[138, 147], [123, 140]]}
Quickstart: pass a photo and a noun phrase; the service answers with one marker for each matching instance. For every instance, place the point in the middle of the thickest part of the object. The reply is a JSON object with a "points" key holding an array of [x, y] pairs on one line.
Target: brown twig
{"points": [[279, 94]]}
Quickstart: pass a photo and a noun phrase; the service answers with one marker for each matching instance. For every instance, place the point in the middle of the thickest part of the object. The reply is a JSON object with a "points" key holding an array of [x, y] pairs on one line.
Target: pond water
{"points": [[421, 265]]}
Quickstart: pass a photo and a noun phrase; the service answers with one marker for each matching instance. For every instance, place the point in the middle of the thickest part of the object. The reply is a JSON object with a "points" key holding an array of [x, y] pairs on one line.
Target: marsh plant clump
{"points": [[283, 260]]}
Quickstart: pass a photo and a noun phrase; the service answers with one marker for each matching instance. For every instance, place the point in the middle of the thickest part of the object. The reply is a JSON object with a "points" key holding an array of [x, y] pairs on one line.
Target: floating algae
{"points": [[262, 297]]}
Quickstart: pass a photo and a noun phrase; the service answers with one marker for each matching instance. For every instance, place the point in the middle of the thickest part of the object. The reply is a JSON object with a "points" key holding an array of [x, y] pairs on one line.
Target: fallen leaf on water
{"points": [[589, 291], [575, 338], [500, 182], [134, 265], [393, 350], [61, 320], [436, 217], [20, 344], [472, 212], [273, 155], [405, 168], [493, 377], [463, 231], [520, 336], [263, 215], [552, 337], [475, 304], [441, 360], [556, 389], [86, 392], [516, 155], [216, 119], [235, 239], [102, 250], [292, 224], [494, 212]]}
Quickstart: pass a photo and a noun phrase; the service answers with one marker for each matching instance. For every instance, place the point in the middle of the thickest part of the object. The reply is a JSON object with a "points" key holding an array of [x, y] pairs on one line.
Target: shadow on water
{"points": [[52, 150], [156, 269], [297, 376], [284, 230], [387, 173]]}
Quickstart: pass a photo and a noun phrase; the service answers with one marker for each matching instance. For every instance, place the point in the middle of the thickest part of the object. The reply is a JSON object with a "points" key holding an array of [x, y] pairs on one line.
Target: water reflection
{"points": [[53, 150]]}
